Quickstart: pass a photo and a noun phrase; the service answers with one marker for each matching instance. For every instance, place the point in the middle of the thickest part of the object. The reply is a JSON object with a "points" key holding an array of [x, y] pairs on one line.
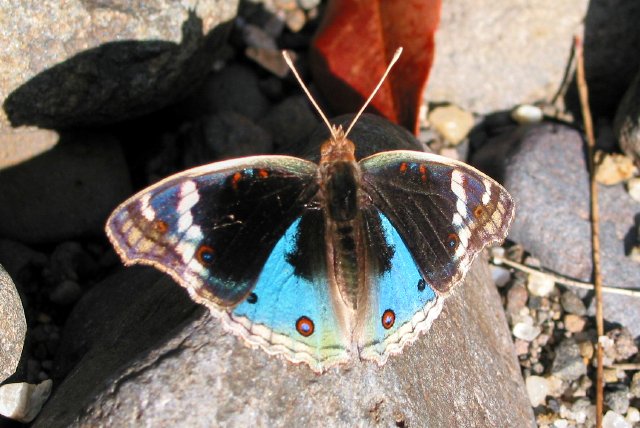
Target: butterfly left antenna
{"points": [[289, 62]]}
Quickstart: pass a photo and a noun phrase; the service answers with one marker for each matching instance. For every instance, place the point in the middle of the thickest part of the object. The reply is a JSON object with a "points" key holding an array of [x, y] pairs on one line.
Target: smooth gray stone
{"points": [[142, 365], [65, 193], [544, 168], [13, 326]]}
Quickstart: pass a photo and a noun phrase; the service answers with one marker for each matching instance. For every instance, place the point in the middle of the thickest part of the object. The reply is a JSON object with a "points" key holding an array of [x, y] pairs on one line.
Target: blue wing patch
{"points": [[401, 303], [292, 313]]}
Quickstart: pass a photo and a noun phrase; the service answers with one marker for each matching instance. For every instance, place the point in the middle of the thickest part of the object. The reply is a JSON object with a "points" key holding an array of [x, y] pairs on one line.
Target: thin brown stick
{"points": [[595, 227]]}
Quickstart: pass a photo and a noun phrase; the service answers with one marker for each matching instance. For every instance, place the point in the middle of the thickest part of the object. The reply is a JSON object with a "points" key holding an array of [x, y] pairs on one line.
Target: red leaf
{"points": [[354, 44]]}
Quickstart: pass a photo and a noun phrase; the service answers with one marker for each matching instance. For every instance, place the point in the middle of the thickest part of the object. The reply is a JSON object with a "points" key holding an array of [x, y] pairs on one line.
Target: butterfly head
{"points": [[337, 148]]}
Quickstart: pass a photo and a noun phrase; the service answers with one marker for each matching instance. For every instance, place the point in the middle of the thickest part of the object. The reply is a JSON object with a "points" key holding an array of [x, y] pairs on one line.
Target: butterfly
{"points": [[321, 263]]}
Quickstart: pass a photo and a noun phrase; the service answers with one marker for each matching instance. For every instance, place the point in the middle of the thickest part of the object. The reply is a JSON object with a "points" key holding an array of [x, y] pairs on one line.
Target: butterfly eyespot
{"points": [[421, 284], [235, 179], [452, 241], [423, 173], [160, 226], [252, 299], [305, 326], [263, 173], [388, 319], [403, 167], [478, 211], [205, 255]]}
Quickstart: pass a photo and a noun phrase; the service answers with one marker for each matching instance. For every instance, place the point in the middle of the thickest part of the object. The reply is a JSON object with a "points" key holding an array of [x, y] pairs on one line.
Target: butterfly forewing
{"points": [[444, 210], [213, 227]]}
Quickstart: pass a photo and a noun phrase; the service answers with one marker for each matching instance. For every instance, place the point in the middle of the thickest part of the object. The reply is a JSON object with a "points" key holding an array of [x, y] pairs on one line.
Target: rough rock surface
{"points": [[13, 326], [141, 364], [546, 173], [627, 121], [64, 193], [80, 63]]}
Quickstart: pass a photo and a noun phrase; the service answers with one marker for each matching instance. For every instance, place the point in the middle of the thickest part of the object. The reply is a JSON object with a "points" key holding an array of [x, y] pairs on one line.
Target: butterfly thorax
{"points": [[340, 178]]}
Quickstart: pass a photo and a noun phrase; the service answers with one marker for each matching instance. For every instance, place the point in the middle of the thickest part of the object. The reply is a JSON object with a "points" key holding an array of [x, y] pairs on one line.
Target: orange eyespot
{"points": [[263, 173], [423, 173], [403, 167], [478, 211], [305, 326], [160, 226], [205, 255], [235, 180], [388, 319]]}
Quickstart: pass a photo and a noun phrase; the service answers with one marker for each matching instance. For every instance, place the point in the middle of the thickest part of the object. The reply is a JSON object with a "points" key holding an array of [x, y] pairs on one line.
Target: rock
{"points": [[633, 188], [634, 388], [572, 303], [77, 65], [610, 375], [23, 401], [526, 332], [538, 389], [21, 144], [15, 257], [586, 349], [613, 420], [633, 415], [568, 364], [613, 168], [66, 293], [552, 222], [451, 122], [516, 300], [618, 400], [540, 284], [225, 136], [526, 114], [270, 59], [626, 124], [150, 348], [624, 345], [64, 193], [580, 411], [497, 72], [13, 326], [290, 122], [574, 323], [501, 276]]}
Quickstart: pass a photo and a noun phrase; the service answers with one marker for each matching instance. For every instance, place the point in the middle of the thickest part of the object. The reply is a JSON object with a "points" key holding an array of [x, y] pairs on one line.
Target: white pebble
{"points": [[560, 423], [23, 401], [633, 187], [633, 415], [501, 275], [538, 389], [526, 332], [613, 420], [540, 284], [452, 123], [527, 113]]}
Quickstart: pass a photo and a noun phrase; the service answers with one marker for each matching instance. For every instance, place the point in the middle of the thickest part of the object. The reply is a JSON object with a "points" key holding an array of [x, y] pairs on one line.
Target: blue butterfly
{"points": [[318, 262]]}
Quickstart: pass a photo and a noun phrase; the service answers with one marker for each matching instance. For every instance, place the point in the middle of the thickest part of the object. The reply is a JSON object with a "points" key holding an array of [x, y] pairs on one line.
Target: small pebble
{"points": [[586, 350], [525, 331], [624, 345], [66, 293], [538, 389], [633, 188], [556, 386], [308, 4], [560, 423], [574, 323], [452, 123], [270, 59], [572, 303], [613, 420], [618, 400], [256, 37], [633, 415], [23, 401], [610, 375], [540, 284], [613, 168], [526, 113], [521, 347], [568, 364], [516, 299], [295, 20], [634, 388]]}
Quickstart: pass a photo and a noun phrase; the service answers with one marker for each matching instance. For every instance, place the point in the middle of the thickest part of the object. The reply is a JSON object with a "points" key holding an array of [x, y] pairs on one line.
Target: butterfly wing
{"points": [[445, 211], [291, 310], [212, 228], [431, 216]]}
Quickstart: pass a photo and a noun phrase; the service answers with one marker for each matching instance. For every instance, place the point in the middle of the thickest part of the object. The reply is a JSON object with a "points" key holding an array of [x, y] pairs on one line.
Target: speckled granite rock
{"points": [[13, 326], [82, 63], [66, 192], [546, 173], [141, 364]]}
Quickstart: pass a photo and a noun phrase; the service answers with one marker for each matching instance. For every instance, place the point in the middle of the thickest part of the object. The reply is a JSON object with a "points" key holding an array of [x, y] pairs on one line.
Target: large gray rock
{"points": [[546, 173], [13, 326], [150, 359], [627, 121], [83, 63], [65, 193]]}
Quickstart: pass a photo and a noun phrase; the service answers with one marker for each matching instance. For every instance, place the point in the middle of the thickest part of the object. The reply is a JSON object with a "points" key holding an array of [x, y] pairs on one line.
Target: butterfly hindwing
{"points": [[400, 303], [212, 228], [445, 211], [291, 310]]}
